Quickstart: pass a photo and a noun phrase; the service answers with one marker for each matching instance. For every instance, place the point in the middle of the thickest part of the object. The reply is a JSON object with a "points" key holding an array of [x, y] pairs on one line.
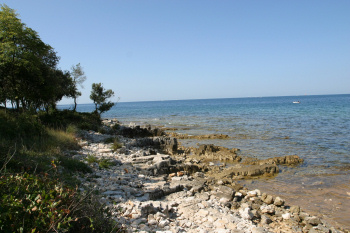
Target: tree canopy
{"points": [[78, 77], [29, 77], [99, 96]]}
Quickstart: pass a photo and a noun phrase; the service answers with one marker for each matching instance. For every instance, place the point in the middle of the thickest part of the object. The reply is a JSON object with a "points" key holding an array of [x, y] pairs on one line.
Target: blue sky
{"points": [[167, 50]]}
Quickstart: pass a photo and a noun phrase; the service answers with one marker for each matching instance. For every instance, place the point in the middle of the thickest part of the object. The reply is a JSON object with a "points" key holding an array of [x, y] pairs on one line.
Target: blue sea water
{"points": [[317, 129]]}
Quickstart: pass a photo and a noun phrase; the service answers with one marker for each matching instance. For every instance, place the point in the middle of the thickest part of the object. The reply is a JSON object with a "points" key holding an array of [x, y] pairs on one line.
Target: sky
{"points": [[170, 50]]}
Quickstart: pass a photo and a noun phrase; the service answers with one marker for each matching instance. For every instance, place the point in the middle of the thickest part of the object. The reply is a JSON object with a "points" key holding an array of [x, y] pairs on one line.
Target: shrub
{"points": [[104, 163], [109, 140], [72, 129], [36, 203], [91, 159], [116, 127], [64, 118], [33, 203], [116, 144], [73, 165]]}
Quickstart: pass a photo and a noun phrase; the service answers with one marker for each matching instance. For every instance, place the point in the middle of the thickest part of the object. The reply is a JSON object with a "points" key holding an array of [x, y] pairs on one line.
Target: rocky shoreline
{"points": [[154, 185]]}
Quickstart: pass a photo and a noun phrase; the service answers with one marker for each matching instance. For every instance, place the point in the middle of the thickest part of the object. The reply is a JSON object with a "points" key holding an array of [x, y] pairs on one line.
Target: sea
{"points": [[316, 128]]}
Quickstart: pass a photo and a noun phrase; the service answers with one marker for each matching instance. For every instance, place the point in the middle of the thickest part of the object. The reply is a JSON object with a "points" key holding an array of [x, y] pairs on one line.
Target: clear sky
{"points": [[166, 50]]}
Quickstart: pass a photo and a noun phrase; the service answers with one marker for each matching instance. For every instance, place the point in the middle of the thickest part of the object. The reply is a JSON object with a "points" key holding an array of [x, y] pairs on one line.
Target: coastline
{"points": [[159, 188]]}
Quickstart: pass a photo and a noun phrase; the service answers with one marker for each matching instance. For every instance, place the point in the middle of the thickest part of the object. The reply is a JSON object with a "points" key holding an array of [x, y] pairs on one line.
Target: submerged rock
{"points": [[289, 160], [251, 171], [199, 137]]}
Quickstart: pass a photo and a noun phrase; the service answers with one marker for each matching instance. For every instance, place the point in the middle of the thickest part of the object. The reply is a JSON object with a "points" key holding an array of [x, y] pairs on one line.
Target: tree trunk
{"points": [[75, 104]]}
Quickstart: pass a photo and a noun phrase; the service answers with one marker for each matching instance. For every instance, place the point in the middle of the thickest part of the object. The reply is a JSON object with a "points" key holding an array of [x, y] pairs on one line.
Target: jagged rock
{"points": [[251, 171], [289, 160], [136, 131], [210, 152], [165, 144]]}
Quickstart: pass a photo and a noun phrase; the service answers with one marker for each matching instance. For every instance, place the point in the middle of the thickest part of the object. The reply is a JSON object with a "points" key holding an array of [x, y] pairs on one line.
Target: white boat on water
{"points": [[296, 102]]}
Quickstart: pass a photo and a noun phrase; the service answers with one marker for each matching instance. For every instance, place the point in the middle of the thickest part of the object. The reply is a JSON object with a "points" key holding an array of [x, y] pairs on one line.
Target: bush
{"points": [[104, 163], [73, 165], [63, 119], [33, 203], [72, 129], [91, 159], [36, 203], [15, 126], [116, 144]]}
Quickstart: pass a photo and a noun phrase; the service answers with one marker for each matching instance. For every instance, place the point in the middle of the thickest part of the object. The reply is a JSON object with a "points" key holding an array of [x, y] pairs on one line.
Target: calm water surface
{"points": [[317, 129]]}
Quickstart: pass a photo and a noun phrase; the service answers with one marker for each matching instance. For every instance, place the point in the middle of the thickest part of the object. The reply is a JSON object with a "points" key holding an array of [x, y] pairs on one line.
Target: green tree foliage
{"points": [[79, 77], [99, 96], [29, 78]]}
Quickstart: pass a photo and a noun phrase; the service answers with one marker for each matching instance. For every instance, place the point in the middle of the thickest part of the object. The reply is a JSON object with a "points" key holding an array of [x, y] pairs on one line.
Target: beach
{"points": [[153, 185]]}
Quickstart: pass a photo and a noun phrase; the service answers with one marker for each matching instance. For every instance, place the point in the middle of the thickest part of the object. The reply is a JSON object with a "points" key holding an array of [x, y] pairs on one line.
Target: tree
{"points": [[28, 67], [99, 96], [79, 77]]}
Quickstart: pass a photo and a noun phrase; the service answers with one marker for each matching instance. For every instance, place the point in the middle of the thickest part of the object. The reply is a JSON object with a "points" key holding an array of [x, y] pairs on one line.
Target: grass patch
{"points": [[73, 165], [91, 159], [104, 163], [116, 144]]}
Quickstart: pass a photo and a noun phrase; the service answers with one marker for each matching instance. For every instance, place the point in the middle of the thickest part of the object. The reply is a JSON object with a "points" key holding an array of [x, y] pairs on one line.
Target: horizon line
{"points": [[138, 101]]}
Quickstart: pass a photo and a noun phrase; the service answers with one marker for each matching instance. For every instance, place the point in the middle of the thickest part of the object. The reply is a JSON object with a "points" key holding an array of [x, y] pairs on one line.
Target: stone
{"points": [[163, 223], [320, 229], [269, 209], [148, 208], [314, 221], [286, 216], [252, 193], [258, 230], [268, 200], [265, 219], [202, 213], [246, 214], [278, 201], [295, 209], [224, 192]]}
